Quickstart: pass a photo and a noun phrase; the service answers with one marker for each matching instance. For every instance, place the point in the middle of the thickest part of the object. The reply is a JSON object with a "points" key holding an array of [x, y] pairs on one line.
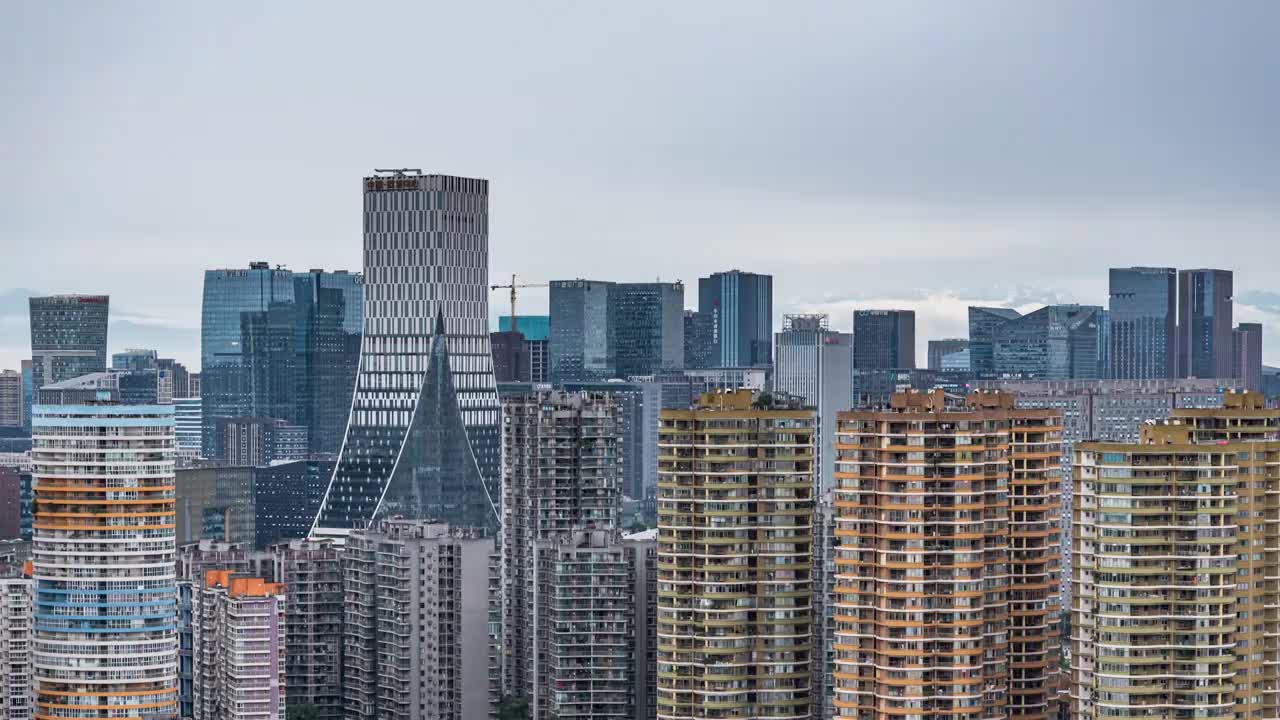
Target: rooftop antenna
{"points": [[399, 172]]}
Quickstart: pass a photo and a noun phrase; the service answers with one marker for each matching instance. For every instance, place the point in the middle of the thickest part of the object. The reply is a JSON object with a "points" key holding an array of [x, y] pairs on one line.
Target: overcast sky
{"points": [[890, 154]]}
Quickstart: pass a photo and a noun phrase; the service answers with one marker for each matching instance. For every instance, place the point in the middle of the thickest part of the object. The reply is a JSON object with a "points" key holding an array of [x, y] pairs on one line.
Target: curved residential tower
{"points": [[104, 636], [422, 438]]}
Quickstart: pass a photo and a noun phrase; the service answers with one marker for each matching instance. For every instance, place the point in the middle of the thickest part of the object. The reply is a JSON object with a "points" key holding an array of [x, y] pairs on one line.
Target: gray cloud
{"points": [[873, 150]]}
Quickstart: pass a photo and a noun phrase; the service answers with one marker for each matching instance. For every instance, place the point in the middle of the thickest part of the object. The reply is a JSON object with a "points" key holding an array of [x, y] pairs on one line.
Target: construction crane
{"points": [[513, 287]]}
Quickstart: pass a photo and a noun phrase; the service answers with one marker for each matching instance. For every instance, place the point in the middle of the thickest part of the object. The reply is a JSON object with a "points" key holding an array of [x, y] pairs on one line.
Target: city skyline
{"points": [[1150, 149], [864, 361]]}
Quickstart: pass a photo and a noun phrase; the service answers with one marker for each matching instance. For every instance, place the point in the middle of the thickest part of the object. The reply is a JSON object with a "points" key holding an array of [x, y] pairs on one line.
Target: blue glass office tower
{"points": [[1144, 322], [646, 327], [983, 322], [246, 347], [578, 334], [1056, 342], [422, 437], [1205, 323], [68, 337], [741, 307], [282, 345]]}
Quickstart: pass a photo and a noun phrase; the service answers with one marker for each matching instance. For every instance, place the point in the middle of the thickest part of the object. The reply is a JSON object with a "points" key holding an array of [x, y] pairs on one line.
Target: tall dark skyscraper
{"points": [[983, 322], [646, 327], [281, 345], [884, 339], [741, 308], [1204, 323], [329, 310], [422, 439], [68, 337], [1144, 322], [246, 347], [578, 336], [510, 356], [699, 340], [1246, 355]]}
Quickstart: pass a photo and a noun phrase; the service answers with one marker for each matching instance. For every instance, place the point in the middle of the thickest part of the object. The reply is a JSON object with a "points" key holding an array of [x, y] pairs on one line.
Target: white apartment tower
{"points": [[105, 630], [15, 648]]}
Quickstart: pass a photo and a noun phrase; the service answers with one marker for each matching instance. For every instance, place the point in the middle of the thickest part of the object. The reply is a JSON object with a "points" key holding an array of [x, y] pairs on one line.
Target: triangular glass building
{"points": [[436, 476]]}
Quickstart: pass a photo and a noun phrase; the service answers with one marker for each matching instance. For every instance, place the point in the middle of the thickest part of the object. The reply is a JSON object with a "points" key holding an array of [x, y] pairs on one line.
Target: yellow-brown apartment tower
{"points": [[946, 597], [735, 542], [1174, 568]]}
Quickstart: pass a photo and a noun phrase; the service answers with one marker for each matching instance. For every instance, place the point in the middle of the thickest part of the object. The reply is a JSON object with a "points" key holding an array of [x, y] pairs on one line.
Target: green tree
{"points": [[302, 712], [513, 708]]}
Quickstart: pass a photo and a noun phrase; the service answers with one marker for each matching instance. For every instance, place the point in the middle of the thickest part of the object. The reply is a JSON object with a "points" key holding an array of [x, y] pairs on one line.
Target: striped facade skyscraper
{"points": [[104, 639], [740, 305], [422, 438]]}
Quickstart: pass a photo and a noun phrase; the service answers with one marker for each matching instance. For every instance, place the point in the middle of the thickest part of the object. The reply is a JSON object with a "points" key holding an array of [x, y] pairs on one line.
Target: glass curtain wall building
{"points": [[740, 305], [1144, 321], [1057, 342], [646, 328], [983, 322], [578, 333], [68, 337], [422, 438], [246, 343], [1205, 323], [330, 312], [281, 345], [884, 339]]}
